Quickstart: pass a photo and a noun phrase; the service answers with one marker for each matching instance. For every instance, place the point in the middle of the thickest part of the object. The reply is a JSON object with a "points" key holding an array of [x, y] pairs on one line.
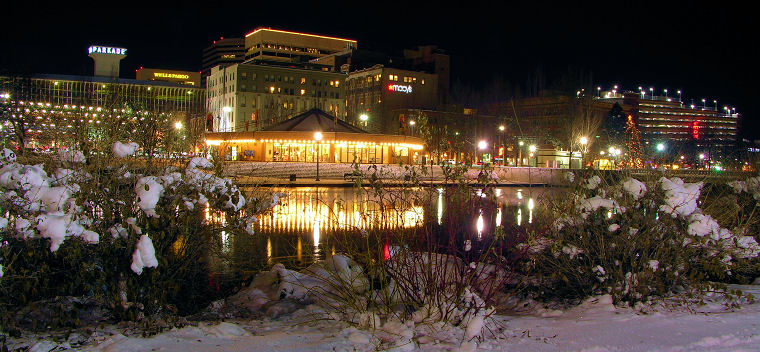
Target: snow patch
{"points": [[144, 255]]}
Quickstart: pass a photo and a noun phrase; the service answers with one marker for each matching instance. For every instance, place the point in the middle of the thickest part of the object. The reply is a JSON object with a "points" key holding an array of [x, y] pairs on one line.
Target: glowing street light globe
{"points": [[482, 145], [178, 125], [660, 147], [318, 136], [363, 117], [584, 140], [532, 148]]}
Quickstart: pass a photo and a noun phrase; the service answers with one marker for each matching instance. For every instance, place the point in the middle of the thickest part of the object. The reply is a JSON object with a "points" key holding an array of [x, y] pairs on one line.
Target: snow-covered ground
{"points": [[595, 325]]}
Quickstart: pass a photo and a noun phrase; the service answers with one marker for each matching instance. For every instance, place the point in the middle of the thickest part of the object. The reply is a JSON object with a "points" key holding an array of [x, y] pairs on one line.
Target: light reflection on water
{"points": [[310, 216]]}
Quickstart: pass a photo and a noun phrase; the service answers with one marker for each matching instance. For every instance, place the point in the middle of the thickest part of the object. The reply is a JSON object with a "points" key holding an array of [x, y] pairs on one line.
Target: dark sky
{"points": [[705, 51]]}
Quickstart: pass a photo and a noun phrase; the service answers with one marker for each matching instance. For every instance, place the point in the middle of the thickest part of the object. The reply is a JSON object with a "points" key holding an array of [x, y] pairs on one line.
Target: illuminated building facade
{"points": [[661, 118], [185, 78], [295, 140], [53, 102], [272, 45], [658, 118], [382, 93], [252, 97]]}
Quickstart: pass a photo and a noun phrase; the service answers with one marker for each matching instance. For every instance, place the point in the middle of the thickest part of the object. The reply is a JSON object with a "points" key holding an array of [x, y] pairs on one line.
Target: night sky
{"points": [[707, 52]]}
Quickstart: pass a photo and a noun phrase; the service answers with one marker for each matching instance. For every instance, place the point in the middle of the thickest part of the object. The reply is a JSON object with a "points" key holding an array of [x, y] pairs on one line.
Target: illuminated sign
{"points": [[228, 56], [695, 129], [106, 50], [400, 88], [170, 75]]}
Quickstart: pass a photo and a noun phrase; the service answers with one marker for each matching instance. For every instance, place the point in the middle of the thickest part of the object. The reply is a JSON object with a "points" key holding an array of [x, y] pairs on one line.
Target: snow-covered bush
{"points": [[635, 240], [133, 236]]}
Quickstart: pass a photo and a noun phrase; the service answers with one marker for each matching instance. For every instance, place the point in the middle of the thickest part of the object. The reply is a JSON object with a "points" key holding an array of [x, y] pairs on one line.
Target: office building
{"points": [[273, 45], [224, 52], [185, 78], [252, 97]]}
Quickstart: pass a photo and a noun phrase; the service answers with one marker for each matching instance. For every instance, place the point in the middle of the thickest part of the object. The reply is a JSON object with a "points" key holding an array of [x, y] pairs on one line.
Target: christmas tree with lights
{"points": [[633, 142]]}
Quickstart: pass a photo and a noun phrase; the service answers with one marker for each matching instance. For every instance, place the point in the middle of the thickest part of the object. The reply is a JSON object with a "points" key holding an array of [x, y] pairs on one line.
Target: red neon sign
{"points": [[695, 129]]}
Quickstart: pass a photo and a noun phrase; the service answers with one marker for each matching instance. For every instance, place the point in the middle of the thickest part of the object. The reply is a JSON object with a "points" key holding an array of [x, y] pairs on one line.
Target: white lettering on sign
{"points": [[400, 88], [106, 50]]}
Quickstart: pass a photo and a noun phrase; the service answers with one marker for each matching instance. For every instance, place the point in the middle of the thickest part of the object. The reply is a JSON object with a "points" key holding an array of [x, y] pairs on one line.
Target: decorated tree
{"points": [[633, 142]]}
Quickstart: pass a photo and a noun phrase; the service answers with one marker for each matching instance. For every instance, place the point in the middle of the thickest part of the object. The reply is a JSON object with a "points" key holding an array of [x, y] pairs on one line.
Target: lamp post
{"points": [[223, 123], [482, 145], [532, 149], [584, 142], [318, 138], [364, 119], [679, 97], [520, 152], [412, 123], [651, 92], [502, 128]]}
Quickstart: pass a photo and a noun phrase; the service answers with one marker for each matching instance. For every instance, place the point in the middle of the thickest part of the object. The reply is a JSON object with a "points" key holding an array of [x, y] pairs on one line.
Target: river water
{"points": [[305, 224]]}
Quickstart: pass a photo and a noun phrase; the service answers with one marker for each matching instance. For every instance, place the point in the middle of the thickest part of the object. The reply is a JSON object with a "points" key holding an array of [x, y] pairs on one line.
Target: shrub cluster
{"points": [[133, 237], [635, 240]]}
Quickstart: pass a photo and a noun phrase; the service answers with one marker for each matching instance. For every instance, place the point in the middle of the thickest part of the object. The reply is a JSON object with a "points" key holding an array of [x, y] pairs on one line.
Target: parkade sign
{"points": [[106, 50], [400, 88]]}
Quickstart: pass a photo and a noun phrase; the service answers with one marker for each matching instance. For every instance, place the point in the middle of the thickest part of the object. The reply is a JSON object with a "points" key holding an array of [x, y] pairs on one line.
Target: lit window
{"points": [[303, 91], [423, 81]]}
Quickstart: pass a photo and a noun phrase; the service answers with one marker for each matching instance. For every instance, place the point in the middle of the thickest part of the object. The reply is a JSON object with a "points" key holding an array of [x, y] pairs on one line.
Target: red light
{"points": [[695, 129], [390, 87]]}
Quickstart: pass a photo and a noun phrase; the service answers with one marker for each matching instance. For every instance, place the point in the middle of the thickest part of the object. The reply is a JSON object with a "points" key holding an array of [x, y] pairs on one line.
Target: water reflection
{"points": [[302, 227], [315, 209]]}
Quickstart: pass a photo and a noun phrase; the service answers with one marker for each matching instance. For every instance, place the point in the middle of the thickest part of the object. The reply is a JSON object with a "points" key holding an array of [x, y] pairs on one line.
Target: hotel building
{"points": [[252, 97], [273, 45]]}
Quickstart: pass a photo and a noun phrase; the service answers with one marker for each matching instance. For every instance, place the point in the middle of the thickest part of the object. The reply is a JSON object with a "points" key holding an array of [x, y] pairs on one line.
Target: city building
{"points": [[560, 120], [55, 106], [377, 96], [224, 52], [316, 135], [46, 109], [273, 45], [663, 118], [252, 97], [185, 78]]}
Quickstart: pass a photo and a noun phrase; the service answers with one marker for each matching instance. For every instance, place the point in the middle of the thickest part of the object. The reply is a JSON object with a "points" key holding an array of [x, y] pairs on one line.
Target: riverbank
{"points": [[286, 174]]}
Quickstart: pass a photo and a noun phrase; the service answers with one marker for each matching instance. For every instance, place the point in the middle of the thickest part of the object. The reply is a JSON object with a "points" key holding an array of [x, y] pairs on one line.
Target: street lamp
{"points": [[225, 124], [679, 95], [412, 123], [502, 128], [651, 92], [584, 142], [532, 149], [178, 125], [660, 147], [520, 143], [318, 138], [364, 119], [482, 145]]}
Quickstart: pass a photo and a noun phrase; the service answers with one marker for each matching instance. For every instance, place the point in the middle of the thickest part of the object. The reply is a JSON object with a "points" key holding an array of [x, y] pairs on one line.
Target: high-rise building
{"points": [[222, 52], [273, 45], [251, 97]]}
